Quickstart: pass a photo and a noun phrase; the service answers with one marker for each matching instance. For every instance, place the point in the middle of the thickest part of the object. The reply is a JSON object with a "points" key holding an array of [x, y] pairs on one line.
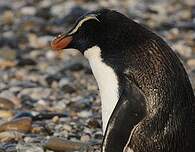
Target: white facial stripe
{"points": [[107, 83], [81, 22]]}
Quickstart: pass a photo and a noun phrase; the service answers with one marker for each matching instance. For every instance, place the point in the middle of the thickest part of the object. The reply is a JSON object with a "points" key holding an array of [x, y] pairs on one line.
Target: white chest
{"points": [[107, 83]]}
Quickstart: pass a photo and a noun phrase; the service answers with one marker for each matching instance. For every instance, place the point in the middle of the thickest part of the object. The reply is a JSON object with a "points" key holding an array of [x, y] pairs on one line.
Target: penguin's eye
{"points": [[80, 23]]}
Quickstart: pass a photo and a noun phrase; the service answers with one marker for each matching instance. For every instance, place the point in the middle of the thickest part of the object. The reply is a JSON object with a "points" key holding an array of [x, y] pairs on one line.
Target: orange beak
{"points": [[61, 42]]}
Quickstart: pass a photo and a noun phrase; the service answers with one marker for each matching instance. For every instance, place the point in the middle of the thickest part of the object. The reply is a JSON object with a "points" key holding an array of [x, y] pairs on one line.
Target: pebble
{"points": [[26, 147], [59, 144], [85, 138], [28, 10], [20, 125], [93, 123], [25, 62], [68, 89], [6, 104], [67, 127], [84, 114], [7, 64], [55, 119], [8, 17], [10, 136], [37, 130], [5, 114], [191, 63], [183, 49]]}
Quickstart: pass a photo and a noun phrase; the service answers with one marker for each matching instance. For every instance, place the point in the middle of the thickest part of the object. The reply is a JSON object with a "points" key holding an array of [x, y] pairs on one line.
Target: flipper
{"points": [[129, 111]]}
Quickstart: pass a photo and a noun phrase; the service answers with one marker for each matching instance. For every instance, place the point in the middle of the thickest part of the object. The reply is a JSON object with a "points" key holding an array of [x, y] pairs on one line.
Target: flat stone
{"points": [[6, 104], [10, 136], [26, 147], [62, 145], [5, 114], [7, 64], [21, 125]]}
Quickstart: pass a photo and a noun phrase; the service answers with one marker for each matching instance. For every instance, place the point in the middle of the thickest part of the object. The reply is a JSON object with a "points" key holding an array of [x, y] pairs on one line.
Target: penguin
{"points": [[146, 96]]}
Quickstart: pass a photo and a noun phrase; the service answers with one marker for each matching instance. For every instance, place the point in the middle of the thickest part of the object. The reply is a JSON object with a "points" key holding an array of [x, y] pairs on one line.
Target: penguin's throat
{"points": [[107, 83]]}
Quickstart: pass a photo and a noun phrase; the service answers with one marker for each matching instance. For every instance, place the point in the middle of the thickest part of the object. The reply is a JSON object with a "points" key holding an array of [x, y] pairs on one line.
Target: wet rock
{"points": [[6, 104], [10, 136], [21, 125], [62, 145]]}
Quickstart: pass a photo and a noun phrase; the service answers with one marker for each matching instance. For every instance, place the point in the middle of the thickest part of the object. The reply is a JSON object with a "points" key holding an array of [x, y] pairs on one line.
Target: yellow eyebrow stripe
{"points": [[81, 22]]}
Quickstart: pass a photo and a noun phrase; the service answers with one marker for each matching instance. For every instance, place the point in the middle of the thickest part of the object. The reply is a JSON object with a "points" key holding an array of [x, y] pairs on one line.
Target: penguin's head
{"points": [[98, 28]]}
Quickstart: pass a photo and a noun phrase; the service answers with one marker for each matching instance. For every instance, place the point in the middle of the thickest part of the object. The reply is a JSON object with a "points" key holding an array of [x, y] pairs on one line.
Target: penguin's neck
{"points": [[107, 83]]}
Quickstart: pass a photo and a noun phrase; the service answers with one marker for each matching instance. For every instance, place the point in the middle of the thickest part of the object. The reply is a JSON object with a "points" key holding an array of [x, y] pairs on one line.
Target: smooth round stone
{"points": [[10, 136], [59, 145], [6, 104], [8, 17], [55, 119], [85, 114], [21, 125], [85, 138], [28, 10], [5, 114]]}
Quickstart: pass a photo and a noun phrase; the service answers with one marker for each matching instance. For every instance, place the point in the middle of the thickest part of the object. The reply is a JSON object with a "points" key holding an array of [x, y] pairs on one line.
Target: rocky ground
{"points": [[49, 100]]}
